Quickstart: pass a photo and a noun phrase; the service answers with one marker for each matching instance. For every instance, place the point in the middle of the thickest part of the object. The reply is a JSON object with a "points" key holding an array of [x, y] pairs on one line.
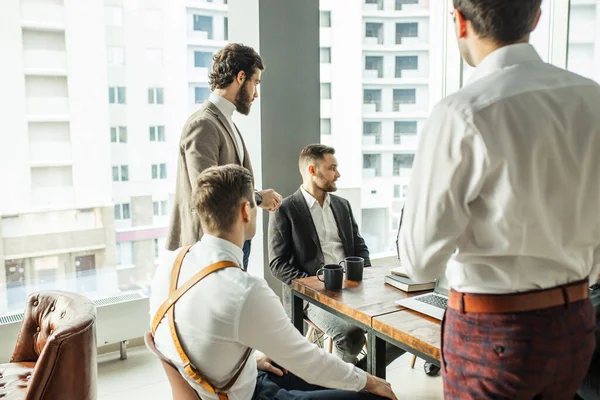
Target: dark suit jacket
{"points": [[294, 246], [207, 140]]}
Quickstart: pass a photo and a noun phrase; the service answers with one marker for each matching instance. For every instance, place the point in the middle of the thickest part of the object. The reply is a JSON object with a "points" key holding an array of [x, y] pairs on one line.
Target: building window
{"points": [[159, 171], [372, 132], [406, 30], [156, 96], [406, 63], [156, 248], [201, 94], [397, 193], [203, 23], [117, 95], [379, 3], [202, 59], [400, 3], [124, 252], [371, 165], [325, 55], [404, 96], [374, 30], [372, 96], [120, 173], [160, 208], [402, 162], [115, 56], [118, 134], [122, 211], [325, 19], [157, 134], [226, 28], [113, 16], [404, 128], [325, 91], [325, 126], [374, 66]]}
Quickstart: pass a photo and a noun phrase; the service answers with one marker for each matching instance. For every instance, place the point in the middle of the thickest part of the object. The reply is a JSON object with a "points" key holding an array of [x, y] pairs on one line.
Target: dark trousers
{"points": [[246, 250], [590, 387], [290, 387], [542, 354]]}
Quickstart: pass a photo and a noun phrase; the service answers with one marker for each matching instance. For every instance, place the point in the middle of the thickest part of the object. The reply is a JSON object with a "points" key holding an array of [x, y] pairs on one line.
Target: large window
{"points": [[378, 110], [583, 55], [94, 132]]}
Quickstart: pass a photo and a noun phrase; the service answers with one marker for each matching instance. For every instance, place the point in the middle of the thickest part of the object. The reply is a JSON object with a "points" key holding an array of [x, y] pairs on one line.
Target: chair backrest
{"points": [[180, 387], [58, 333]]}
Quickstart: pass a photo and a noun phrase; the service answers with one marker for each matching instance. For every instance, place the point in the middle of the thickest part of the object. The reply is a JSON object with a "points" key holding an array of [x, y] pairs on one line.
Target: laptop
{"points": [[432, 304]]}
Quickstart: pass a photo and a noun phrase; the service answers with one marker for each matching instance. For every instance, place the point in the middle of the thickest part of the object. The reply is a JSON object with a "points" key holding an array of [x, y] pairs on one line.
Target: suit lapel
{"points": [[304, 213], [340, 222], [215, 110]]}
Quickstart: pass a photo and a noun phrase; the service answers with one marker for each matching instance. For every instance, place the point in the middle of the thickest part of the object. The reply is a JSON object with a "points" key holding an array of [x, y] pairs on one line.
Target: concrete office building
{"points": [[375, 98], [93, 121], [57, 226]]}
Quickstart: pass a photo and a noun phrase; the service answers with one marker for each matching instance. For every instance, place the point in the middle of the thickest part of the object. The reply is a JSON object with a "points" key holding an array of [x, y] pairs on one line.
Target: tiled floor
{"points": [[142, 377]]}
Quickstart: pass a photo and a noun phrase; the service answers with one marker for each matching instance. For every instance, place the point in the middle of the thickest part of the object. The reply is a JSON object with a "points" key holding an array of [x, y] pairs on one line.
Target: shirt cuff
{"points": [[361, 377]]}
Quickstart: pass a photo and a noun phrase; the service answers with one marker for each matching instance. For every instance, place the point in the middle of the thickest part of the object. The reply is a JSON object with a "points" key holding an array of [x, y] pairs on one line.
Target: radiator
{"points": [[120, 318]]}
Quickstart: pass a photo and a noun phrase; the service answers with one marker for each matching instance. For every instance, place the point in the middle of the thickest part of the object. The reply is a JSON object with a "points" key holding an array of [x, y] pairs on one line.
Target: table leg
{"points": [[376, 360], [297, 312]]}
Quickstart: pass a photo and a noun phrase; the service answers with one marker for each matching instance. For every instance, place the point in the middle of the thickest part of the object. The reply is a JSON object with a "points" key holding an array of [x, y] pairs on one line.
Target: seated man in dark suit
{"points": [[313, 228]]}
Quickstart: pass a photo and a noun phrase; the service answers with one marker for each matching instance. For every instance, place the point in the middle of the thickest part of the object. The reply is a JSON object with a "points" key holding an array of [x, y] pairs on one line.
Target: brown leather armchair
{"points": [[55, 355]]}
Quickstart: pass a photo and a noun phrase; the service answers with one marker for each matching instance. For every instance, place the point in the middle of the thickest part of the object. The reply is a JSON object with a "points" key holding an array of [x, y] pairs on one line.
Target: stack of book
{"points": [[400, 280]]}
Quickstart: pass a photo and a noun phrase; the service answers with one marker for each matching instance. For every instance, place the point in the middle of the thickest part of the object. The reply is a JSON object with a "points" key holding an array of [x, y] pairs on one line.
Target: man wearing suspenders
{"points": [[224, 329]]}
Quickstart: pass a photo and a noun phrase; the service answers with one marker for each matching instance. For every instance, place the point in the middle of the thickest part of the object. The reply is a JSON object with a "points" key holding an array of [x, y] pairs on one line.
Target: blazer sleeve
{"points": [[281, 249], [201, 148], [360, 247]]}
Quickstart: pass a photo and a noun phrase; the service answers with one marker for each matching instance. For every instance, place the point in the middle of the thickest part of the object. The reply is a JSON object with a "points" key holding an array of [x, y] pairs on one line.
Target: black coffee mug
{"points": [[354, 268], [334, 276]]}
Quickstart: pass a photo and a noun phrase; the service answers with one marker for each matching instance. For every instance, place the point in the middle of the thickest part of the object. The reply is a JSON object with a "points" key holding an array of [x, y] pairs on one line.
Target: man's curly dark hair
{"points": [[228, 63]]}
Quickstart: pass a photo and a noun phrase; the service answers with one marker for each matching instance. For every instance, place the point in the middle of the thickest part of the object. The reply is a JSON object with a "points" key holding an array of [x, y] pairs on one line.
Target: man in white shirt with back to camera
{"points": [[508, 173], [230, 311]]}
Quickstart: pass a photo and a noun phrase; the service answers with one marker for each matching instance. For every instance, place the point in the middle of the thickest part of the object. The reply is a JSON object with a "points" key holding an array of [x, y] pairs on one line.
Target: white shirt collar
{"points": [[224, 105], [505, 57], [224, 245], [310, 200]]}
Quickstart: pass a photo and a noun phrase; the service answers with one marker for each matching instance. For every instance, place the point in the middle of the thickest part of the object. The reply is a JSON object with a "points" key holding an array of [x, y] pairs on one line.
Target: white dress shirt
{"points": [[508, 173], [227, 108], [229, 311], [327, 229]]}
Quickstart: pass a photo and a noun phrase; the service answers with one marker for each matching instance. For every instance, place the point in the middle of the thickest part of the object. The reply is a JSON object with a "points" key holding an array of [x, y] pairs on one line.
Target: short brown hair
{"points": [[314, 153], [218, 194], [503, 21], [230, 61]]}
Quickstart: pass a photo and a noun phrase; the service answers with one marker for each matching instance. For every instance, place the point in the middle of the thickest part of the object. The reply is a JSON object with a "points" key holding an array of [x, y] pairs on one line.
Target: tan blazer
{"points": [[207, 140]]}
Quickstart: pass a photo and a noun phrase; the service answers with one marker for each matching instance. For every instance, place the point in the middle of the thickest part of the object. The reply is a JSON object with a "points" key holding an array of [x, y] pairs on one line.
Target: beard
{"points": [[325, 185], [243, 101]]}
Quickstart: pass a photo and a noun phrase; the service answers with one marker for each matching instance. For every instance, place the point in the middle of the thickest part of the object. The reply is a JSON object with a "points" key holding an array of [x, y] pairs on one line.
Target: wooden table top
{"points": [[361, 301], [417, 330]]}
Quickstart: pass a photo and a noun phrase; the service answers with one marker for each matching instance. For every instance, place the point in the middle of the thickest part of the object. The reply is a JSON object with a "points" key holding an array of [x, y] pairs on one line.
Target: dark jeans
{"points": [[246, 254], [290, 387]]}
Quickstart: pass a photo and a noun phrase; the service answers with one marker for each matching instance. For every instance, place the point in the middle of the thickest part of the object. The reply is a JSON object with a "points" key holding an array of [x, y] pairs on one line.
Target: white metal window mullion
{"points": [[559, 32]]}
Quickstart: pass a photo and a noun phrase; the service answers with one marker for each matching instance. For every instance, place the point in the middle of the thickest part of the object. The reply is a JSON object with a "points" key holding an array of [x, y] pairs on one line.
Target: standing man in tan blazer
{"points": [[210, 138]]}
